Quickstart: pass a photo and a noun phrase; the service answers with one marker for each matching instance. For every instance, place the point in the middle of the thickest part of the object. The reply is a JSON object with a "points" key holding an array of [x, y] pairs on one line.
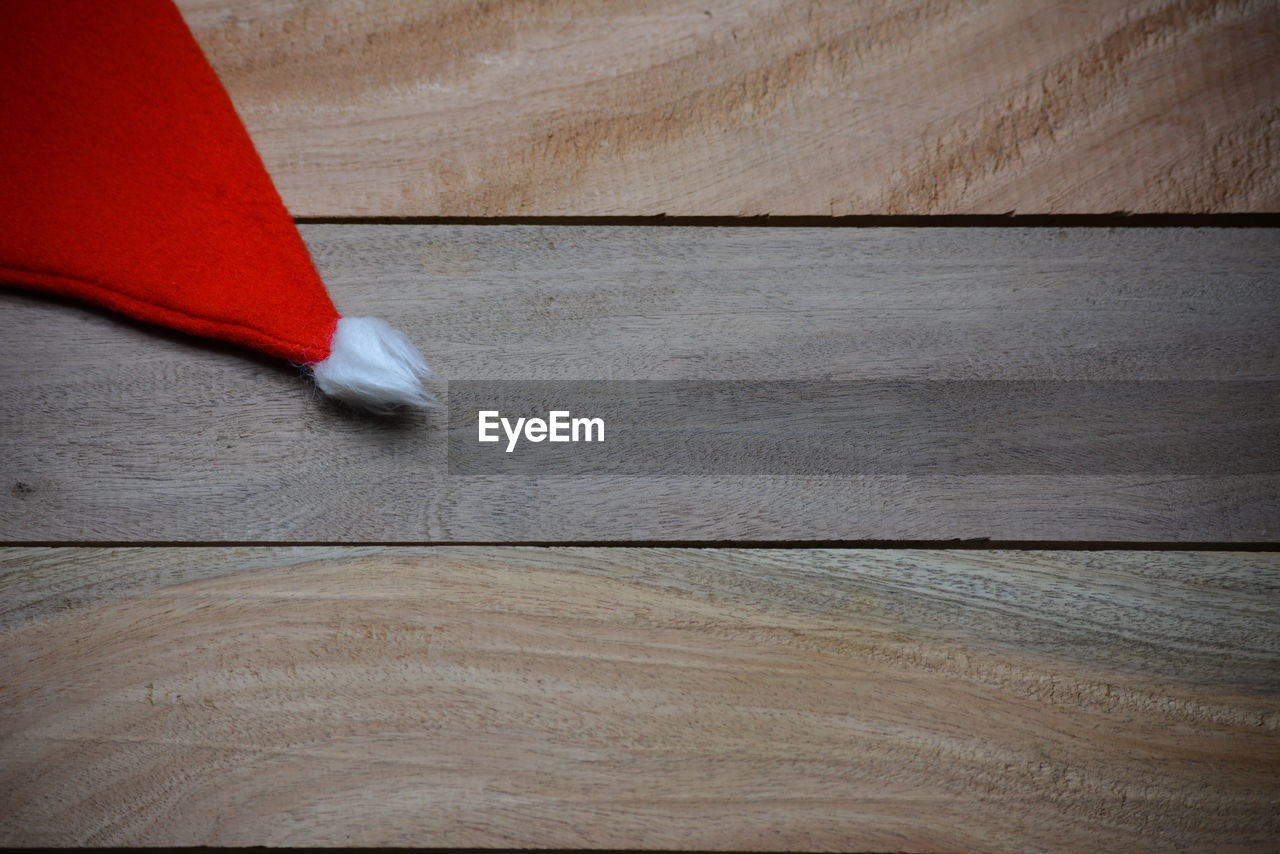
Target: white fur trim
{"points": [[372, 367]]}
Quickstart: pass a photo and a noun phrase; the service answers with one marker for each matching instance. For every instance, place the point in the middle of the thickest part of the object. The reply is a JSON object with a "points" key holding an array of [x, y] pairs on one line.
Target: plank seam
{"points": [[1009, 220], [776, 545]]}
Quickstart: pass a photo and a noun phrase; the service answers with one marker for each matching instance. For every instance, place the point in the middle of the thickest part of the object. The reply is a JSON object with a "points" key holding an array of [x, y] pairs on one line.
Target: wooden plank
{"points": [[751, 107], [112, 432], [637, 698]]}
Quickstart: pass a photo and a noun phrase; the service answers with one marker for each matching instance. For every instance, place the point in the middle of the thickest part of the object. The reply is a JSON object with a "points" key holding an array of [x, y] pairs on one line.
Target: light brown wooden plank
{"points": [[762, 107], [634, 698], [112, 432]]}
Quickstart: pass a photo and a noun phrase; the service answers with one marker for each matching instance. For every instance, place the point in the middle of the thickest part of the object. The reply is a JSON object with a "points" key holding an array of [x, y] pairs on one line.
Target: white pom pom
{"points": [[372, 367]]}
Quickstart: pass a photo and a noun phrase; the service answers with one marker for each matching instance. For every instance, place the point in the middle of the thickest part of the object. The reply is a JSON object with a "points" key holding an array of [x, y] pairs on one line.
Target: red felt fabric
{"points": [[127, 179]]}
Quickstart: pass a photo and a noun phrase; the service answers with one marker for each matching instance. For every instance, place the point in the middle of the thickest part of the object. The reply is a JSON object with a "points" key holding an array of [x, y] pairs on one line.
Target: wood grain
{"points": [[637, 698], [775, 107], [110, 431]]}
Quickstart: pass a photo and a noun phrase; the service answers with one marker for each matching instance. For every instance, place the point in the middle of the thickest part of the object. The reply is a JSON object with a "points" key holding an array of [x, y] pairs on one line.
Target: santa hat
{"points": [[128, 180]]}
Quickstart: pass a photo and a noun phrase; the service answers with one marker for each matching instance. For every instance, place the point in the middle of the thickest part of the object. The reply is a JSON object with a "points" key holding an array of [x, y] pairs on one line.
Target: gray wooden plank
{"points": [[640, 698], [112, 431]]}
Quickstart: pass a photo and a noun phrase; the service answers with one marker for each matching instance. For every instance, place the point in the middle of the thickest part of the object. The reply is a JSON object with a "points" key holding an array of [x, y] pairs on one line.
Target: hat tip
{"points": [[373, 367]]}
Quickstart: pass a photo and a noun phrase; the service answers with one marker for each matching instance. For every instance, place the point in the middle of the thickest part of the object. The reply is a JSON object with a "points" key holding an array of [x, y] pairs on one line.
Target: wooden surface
{"points": [[709, 699], [639, 697], [733, 108], [109, 432]]}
